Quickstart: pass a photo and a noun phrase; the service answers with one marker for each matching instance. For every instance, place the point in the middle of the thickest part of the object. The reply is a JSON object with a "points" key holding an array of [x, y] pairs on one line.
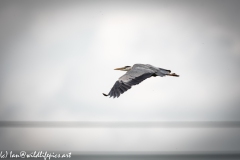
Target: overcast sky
{"points": [[57, 58]]}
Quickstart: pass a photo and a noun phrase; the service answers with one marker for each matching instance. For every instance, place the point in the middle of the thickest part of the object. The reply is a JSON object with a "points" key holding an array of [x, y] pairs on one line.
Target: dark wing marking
{"points": [[139, 79], [166, 71], [163, 72], [159, 71], [120, 86]]}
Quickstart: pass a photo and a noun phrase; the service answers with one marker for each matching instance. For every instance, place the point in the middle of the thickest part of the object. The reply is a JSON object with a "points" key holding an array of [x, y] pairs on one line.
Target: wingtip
{"points": [[105, 94]]}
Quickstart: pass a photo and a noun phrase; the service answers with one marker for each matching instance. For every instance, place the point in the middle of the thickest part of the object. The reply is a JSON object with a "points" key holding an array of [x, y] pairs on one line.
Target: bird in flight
{"points": [[135, 75]]}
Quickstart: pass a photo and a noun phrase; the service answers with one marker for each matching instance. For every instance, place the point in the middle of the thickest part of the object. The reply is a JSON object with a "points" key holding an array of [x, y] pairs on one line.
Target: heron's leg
{"points": [[173, 74]]}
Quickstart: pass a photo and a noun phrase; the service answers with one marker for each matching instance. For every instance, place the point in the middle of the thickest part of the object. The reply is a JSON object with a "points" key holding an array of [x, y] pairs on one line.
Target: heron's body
{"points": [[135, 75]]}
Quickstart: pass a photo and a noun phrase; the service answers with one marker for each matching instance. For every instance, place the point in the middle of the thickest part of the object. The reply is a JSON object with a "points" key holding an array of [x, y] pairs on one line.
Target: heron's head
{"points": [[126, 68]]}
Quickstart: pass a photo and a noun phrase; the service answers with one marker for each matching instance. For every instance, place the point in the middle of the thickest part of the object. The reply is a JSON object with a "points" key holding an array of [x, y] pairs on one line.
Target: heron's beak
{"points": [[119, 68]]}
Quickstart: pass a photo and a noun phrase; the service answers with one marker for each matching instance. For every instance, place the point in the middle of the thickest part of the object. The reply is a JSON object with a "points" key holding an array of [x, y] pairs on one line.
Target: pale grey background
{"points": [[57, 57]]}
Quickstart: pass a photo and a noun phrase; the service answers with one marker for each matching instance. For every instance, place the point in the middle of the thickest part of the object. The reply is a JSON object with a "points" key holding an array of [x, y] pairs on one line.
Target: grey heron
{"points": [[135, 75]]}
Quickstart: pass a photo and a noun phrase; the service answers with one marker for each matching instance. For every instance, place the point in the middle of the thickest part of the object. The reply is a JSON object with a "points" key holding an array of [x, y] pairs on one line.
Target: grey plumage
{"points": [[135, 75]]}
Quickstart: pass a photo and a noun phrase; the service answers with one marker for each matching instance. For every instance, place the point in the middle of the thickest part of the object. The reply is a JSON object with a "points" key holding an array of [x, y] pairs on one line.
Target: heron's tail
{"points": [[173, 74]]}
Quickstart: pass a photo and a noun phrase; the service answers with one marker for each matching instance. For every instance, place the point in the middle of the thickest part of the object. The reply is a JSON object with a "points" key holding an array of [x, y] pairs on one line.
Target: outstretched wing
{"points": [[136, 75]]}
